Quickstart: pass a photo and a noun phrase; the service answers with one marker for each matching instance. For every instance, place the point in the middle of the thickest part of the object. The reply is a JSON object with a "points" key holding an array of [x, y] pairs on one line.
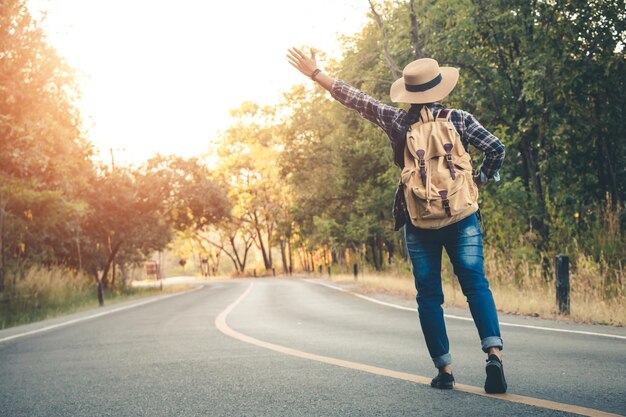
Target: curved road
{"points": [[289, 347]]}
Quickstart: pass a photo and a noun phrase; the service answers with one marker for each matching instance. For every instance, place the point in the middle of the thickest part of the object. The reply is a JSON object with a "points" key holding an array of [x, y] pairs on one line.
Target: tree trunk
{"points": [[2, 217], [123, 274], [216, 264], [607, 177], [304, 260], [270, 233], [373, 248], [113, 268], [261, 244], [283, 255], [242, 265], [114, 250], [539, 220], [222, 249], [79, 253], [290, 255], [379, 244], [414, 41], [235, 257], [391, 63]]}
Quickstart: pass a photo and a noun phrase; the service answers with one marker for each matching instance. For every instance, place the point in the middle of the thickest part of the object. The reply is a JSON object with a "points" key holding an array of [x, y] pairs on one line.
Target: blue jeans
{"points": [[464, 244]]}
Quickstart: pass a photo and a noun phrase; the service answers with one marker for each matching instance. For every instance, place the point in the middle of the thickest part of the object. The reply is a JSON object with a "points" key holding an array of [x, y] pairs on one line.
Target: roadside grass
{"points": [[518, 289], [46, 293]]}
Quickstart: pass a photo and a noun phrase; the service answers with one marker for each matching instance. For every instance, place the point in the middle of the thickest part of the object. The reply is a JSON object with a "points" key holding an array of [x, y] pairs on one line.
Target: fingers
{"points": [[293, 62], [294, 55], [301, 61], [294, 58], [299, 53]]}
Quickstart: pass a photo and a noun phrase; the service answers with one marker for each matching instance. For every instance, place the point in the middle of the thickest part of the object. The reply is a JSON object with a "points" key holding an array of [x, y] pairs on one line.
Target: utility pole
{"points": [[112, 152], [112, 160]]}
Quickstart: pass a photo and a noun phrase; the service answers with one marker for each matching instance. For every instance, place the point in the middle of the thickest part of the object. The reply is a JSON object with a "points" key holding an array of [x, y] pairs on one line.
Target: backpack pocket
{"points": [[438, 204]]}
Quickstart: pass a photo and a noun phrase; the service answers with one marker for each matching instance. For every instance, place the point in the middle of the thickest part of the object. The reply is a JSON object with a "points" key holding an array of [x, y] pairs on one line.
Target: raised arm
{"points": [[385, 116]]}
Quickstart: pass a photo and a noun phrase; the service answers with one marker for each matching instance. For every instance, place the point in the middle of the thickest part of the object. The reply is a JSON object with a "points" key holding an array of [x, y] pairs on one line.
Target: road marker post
{"points": [[562, 282], [100, 294]]}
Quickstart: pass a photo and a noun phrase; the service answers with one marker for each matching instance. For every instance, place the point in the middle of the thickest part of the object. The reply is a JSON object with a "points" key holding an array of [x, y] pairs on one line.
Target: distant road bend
{"points": [[283, 347]]}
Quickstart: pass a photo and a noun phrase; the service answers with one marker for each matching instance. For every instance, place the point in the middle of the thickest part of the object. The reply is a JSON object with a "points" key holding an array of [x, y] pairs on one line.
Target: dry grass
{"points": [[518, 288], [49, 292]]}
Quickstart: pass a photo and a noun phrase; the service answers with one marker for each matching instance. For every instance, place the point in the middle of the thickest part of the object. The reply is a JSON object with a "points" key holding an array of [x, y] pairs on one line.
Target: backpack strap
{"points": [[427, 115], [444, 114]]}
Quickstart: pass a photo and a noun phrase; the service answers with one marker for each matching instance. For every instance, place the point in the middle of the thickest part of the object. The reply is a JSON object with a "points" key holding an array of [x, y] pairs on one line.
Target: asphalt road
{"points": [[167, 357]]}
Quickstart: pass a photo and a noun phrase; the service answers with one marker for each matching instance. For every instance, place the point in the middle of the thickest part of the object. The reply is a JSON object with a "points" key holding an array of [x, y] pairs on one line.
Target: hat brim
{"points": [[449, 78]]}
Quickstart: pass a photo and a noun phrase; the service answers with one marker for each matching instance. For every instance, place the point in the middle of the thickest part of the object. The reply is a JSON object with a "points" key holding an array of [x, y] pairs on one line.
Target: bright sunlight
{"points": [[161, 76]]}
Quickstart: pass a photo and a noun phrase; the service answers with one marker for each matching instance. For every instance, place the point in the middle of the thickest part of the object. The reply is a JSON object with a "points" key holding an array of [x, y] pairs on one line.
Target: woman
{"points": [[424, 85]]}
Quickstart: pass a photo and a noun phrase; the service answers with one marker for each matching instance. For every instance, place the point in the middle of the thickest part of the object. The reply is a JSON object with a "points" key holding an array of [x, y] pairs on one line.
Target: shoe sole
{"points": [[442, 386], [448, 385], [495, 383]]}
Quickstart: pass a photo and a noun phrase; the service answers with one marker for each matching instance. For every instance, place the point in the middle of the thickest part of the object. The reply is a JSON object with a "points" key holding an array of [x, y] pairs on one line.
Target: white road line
{"points": [[93, 316], [222, 325], [451, 316]]}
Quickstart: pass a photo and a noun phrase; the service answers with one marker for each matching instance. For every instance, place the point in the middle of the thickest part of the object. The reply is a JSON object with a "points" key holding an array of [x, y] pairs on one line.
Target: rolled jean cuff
{"points": [[442, 360], [490, 342]]}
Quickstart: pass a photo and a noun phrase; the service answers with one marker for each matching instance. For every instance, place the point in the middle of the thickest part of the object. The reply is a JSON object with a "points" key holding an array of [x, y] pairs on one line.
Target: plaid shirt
{"points": [[393, 121]]}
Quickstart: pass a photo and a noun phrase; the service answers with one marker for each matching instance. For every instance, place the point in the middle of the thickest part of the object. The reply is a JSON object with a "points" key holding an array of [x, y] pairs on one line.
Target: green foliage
{"points": [[548, 78], [43, 160], [56, 206]]}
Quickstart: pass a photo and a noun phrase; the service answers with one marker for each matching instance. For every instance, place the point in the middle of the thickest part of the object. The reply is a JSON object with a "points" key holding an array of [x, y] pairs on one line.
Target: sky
{"points": [[161, 76]]}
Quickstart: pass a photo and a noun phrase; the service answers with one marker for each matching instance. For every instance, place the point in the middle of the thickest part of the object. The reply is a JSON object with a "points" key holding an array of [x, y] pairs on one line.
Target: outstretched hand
{"points": [[301, 62]]}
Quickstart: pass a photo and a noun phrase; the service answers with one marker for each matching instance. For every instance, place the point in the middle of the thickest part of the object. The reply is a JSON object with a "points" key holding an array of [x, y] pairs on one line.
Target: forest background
{"points": [[305, 183]]}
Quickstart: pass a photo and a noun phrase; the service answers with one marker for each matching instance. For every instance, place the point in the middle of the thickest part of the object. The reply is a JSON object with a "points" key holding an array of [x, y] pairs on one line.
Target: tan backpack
{"points": [[438, 186]]}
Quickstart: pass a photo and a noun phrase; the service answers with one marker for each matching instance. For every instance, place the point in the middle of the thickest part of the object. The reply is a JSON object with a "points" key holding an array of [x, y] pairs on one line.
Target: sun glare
{"points": [[160, 77]]}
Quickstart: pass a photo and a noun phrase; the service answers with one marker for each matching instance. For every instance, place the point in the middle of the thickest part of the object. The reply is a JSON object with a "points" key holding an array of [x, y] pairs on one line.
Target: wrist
{"points": [[315, 73]]}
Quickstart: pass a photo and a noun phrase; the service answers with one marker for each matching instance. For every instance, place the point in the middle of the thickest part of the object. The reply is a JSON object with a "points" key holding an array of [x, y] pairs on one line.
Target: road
{"points": [[293, 347]]}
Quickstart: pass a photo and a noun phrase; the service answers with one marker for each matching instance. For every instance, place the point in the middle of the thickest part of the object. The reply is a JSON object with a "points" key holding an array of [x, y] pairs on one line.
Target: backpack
{"points": [[437, 176]]}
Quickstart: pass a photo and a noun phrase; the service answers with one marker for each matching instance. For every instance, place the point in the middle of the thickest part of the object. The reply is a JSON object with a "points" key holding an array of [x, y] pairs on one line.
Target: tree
{"points": [[542, 74], [125, 222], [248, 153], [43, 159]]}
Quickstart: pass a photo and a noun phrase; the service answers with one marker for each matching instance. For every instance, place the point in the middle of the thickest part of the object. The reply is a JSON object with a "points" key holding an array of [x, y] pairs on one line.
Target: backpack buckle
{"points": [[422, 165], [446, 202], [448, 148]]}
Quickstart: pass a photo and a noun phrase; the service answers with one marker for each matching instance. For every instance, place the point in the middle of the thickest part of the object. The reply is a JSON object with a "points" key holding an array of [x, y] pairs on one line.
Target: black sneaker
{"points": [[443, 381], [495, 382]]}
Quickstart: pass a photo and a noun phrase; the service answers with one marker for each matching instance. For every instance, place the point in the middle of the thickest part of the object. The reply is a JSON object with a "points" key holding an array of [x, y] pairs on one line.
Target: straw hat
{"points": [[423, 81]]}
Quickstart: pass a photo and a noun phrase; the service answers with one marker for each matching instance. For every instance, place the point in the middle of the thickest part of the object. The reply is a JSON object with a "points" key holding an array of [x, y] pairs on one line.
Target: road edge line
{"points": [[222, 326], [93, 316], [451, 316]]}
